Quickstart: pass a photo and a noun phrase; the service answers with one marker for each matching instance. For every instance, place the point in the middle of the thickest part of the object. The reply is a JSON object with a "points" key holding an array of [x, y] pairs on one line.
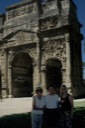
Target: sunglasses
{"points": [[39, 90]]}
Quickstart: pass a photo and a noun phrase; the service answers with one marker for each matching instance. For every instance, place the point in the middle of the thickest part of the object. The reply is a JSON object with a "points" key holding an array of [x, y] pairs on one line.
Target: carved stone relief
{"points": [[21, 38], [49, 6], [55, 48], [49, 23], [10, 56], [2, 53], [14, 28], [31, 8], [2, 61], [1, 35], [32, 52]]}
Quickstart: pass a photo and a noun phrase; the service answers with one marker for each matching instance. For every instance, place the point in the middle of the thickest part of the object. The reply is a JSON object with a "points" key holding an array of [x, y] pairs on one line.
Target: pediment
{"points": [[21, 35]]}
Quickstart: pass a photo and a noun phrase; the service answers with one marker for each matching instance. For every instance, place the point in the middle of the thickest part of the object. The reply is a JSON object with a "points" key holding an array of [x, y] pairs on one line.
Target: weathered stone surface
{"points": [[48, 34]]}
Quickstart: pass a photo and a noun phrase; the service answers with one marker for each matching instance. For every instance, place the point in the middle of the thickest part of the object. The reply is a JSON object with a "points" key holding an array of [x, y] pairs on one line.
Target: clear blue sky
{"points": [[80, 11], [81, 16]]}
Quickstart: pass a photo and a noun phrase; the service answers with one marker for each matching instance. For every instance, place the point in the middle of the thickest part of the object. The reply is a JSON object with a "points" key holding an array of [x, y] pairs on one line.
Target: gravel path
{"points": [[18, 105], [15, 105]]}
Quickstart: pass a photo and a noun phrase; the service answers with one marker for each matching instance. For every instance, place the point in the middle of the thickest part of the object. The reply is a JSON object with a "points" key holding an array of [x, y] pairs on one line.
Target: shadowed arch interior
{"points": [[22, 75], [53, 73]]}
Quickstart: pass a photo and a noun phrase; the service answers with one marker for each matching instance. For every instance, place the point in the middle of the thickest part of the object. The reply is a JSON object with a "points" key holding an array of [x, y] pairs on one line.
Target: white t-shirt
{"points": [[51, 101], [40, 104]]}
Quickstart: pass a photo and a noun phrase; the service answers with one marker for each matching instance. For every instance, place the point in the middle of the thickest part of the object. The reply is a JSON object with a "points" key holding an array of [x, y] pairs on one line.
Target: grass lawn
{"points": [[24, 120], [80, 103], [79, 114]]}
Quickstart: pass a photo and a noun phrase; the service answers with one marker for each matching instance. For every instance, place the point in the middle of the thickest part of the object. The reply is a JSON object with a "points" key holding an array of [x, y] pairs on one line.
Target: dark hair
{"points": [[63, 85], [39, 89], [51, 86]]}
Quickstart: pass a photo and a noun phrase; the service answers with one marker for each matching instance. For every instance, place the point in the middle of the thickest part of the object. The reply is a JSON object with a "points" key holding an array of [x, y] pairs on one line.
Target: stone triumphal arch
{"points": [[40, 44]]}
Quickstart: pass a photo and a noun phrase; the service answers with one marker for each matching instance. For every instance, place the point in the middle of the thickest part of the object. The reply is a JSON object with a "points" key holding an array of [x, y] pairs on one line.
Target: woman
{"points": [[66, 108], [51, 111], [38, 106]]}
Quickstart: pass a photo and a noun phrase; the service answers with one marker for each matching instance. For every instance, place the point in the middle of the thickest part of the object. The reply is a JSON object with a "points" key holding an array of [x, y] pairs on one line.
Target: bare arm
{"points": [[33, 103]]}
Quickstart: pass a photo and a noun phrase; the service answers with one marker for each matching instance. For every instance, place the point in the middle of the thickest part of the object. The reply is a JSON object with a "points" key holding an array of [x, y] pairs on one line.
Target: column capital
{"points": [[63, 69], [10, 66], [43, 67]]}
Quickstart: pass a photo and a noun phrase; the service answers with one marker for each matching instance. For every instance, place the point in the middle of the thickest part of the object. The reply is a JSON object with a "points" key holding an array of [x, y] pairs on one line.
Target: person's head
{"points": [[63, 89], [39, 90], [51, 89]]}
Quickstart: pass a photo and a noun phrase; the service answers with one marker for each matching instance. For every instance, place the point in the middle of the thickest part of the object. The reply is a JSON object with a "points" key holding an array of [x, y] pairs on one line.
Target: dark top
{"points": [[65, 104]]}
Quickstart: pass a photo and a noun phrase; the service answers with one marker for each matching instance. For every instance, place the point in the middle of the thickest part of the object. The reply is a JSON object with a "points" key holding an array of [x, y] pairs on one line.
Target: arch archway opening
{"points": [[53, 73], [22, 75]]}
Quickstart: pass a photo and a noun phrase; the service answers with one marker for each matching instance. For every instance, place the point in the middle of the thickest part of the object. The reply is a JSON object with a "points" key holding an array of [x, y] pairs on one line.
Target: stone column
{"points": [[36, 68], [5, 71], [63, 70], [43, 78], [4, 74], [4, 89], [35, 81], [10, 81], [68, 53], [38, 74]]}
